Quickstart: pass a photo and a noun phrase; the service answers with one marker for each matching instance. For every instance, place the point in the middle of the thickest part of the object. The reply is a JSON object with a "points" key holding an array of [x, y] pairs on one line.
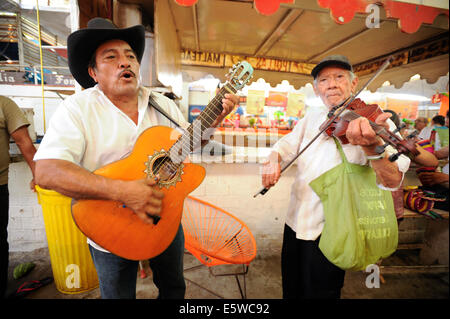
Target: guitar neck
{"points": [[192, 137]]}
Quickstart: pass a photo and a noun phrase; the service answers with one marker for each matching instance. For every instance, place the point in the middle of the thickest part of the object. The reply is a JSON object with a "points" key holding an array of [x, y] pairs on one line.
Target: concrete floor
{"points": [[263, 280]]}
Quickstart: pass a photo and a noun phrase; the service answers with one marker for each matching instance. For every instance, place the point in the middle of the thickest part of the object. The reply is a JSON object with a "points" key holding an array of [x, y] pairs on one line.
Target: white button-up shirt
{"points": [[305, 213], [87, 129]]}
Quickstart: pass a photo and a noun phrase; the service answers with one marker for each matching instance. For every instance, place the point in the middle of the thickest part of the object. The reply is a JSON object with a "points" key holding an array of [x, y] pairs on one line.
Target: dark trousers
{"points": [[305, 271], [117, 276], [4, 246]]}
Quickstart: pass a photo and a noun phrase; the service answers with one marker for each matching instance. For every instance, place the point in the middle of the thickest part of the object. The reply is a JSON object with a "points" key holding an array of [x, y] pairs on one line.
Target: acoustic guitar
{"points": [[162, 151]]}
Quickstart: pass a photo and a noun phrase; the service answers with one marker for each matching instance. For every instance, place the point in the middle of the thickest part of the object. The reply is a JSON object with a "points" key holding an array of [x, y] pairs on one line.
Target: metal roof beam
{"points": [[341, 43], [195, 21], [278, 32]]}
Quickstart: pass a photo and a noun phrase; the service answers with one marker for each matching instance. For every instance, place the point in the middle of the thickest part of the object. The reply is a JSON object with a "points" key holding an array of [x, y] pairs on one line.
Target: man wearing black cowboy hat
{"points": [[100, 125], [306, 272]]}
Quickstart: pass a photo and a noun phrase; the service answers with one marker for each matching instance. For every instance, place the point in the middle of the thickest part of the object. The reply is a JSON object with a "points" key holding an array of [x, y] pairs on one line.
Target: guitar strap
{"points": [[152, 102]]}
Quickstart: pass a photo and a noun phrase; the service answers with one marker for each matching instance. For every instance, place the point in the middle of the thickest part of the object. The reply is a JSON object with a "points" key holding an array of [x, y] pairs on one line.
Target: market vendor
{"points": [[306, 272]]}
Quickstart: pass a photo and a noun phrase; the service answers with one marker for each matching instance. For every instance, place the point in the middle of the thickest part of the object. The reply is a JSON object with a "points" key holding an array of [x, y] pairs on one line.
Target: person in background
{"points": [[434, 132], [13, 123], [420, 123], [424, 158], [438, 181], [439, 136]]}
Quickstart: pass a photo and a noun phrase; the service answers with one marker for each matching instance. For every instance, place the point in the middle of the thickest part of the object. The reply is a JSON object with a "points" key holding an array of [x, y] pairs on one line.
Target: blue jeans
{"points": [[117, 276]]}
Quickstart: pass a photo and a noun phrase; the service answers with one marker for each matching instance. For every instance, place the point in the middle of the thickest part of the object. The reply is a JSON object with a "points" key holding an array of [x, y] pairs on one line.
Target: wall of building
{"points": [[30, 97], [26, 229], [232, 186]]}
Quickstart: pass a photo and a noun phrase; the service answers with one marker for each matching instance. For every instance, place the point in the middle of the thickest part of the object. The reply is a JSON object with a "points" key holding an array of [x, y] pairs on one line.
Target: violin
{"points": [[337, 127]]}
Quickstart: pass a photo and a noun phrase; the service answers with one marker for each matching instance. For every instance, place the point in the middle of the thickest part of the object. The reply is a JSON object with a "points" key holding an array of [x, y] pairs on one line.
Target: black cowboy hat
{"points": [[81, 45], [337, 59]]}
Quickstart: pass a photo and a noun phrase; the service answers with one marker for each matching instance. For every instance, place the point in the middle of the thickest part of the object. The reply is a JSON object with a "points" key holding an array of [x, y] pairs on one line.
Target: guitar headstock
{"points": [[240, 74]]}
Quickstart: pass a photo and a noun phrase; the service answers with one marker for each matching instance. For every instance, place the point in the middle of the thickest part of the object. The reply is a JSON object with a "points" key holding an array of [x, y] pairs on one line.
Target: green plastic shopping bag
{"points": [[360, 224]]}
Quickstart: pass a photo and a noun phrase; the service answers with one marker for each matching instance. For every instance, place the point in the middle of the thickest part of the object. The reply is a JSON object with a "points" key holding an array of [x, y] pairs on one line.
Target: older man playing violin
{"points": [[306, 273]]}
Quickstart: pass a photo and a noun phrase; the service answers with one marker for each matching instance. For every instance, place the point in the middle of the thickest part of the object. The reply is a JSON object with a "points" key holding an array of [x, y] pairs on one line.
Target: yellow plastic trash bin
{"points": [[72, 266]]}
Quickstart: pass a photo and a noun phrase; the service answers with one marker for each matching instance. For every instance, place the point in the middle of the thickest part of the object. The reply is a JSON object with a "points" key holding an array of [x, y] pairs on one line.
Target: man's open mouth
{"points": [[127, 74]]}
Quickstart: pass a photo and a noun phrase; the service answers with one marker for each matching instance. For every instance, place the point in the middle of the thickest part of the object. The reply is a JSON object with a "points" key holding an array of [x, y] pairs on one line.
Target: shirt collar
{"points": [[143, 95]]}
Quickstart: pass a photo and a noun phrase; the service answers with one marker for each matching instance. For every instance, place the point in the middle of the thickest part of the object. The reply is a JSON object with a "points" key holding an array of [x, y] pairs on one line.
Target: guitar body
{"points": [[117, 228]]}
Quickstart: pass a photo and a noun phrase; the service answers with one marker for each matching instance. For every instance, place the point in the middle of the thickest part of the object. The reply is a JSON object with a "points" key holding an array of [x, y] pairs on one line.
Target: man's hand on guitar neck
{"points": [[143, 198], [228, 104]]}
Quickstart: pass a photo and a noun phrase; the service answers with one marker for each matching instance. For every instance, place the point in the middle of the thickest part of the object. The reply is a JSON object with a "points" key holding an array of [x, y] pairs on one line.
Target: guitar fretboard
{"points": [[191, 139]]}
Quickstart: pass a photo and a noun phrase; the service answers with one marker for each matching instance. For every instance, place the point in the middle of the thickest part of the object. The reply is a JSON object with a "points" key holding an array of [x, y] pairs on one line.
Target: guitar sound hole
{"points": [[165, 168]]}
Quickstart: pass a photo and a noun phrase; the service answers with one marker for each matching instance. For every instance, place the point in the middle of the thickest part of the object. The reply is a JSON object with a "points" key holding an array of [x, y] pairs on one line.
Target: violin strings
{"points": [[353, 115], [377, 128]]}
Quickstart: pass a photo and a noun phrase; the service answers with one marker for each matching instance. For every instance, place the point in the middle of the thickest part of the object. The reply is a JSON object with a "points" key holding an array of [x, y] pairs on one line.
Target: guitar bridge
{"points": [[160, 164]]}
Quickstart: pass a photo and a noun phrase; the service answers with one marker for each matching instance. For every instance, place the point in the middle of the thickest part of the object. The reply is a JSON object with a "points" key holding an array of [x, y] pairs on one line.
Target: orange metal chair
{"points": [[215, 237]]}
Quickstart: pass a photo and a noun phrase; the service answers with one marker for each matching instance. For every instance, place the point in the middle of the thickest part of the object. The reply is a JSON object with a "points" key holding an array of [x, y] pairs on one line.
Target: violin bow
{"points": [[342, 107]]}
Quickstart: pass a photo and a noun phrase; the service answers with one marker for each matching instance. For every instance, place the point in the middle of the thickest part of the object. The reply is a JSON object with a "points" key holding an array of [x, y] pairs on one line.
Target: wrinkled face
{"points": [[333, 85], [419, 124], [116, 70]]}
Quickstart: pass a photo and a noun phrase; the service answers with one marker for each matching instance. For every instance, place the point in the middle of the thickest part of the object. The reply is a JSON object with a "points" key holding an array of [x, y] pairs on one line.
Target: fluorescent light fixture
{"points": [[409, 97], [429, 107], [207, 83], [369, 96], [7, 14], [377, 96]]}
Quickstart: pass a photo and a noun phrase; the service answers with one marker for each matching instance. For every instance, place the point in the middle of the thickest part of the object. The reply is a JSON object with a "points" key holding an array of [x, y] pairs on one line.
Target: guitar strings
{"points": [[205, 120], [182, 139], [214, 107], [185, 140]]}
